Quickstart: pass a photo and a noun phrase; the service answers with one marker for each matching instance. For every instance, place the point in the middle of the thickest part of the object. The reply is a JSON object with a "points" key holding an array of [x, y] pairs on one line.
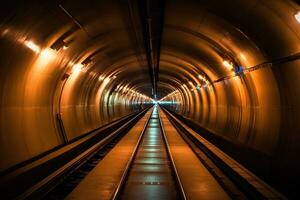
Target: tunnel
{"points": [[221, 74]]}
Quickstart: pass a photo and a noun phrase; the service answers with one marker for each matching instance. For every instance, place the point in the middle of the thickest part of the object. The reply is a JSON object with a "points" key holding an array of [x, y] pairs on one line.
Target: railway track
{"points": [[150, 172], [55, 174], [158, 158]]}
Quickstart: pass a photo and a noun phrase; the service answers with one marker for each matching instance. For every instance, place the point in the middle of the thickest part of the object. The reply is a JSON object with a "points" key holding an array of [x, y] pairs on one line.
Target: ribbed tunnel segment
{"points": [[70, 70]]}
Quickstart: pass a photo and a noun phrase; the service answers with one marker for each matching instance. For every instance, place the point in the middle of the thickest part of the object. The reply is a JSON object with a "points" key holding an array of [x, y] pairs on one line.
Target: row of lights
{"points": [[124, 89], [197, 87], [171, 94], [227, 64], [47, 53], [76, 68]]}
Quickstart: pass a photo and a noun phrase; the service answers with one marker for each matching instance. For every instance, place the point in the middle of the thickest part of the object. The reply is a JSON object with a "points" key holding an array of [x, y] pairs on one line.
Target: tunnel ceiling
{"points": [[163, 43], [230, 67]]}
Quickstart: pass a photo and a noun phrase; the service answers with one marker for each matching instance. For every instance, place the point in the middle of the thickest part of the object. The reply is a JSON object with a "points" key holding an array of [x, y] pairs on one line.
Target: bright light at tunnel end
{"points": [[156, 102]]}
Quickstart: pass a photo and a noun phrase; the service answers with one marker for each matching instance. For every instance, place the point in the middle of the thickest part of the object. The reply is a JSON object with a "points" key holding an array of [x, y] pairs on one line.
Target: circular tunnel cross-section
{"points": [[228, 70]]}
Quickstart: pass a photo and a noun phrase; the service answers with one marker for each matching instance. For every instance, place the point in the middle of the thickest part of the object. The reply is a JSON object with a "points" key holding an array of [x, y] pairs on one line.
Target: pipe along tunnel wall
{"points": [[230, 67]]}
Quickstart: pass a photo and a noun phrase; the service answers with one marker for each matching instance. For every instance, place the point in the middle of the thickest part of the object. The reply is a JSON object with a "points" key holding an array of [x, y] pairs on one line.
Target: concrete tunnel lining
{"points": [[256, 113]]}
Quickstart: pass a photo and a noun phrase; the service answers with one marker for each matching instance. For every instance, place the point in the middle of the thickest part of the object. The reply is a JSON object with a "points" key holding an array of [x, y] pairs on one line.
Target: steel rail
{"points": [[178, 180], [122, 181]]}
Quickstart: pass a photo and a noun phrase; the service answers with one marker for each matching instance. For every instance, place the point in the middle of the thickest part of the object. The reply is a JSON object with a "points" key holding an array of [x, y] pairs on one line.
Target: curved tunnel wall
{"points": [[43, 80], [91, 68], [254, 114], [31, 90]]}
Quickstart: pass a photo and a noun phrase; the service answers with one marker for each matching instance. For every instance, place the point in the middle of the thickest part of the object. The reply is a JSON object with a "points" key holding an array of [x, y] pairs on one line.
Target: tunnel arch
{"points": [[249, 106]]}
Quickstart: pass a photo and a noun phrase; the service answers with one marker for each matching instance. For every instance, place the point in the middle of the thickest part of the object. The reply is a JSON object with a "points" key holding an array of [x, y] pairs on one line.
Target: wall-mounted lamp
{"points": [[31, 45], [228, 64], [77, 68], [101, 78]]}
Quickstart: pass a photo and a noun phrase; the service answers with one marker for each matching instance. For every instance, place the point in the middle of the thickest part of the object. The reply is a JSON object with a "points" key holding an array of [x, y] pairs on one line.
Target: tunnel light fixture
{"points": [[297, 16], [101, 78], [106, 80], [77, 68], [191, 84], [228, 64], [114, 77], [124, 89], [201, 77], [47, 55], [31, 45]]}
